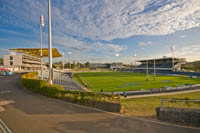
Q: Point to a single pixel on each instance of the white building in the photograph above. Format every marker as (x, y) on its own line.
(22, 62)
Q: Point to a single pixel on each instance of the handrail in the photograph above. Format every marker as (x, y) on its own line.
(162, 100)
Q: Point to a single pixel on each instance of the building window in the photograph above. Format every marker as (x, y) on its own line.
(11, 63)
(11, 57)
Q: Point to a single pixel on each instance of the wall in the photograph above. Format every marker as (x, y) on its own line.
(6, 60)
(178, 115)
(17, 60)
(106, 106)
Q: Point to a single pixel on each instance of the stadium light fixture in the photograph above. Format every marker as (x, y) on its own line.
(41, 26)
(69, 53)
(117, 55)
(50, 80)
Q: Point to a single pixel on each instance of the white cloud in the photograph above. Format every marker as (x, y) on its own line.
(73, 21)
(78, 45)
(190, 52)
(143, 44)
(182, 36)
(10, 32)
(106, 19)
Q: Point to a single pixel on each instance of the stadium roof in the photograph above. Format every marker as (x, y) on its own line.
(163, 59)
(36, 52)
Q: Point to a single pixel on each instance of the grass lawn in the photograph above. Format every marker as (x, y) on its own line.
(127, 81)
(145, 107)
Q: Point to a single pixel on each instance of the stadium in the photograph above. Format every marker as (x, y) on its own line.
(151, 74)
(124, 66)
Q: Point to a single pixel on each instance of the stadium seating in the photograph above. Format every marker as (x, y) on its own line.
(63, 79)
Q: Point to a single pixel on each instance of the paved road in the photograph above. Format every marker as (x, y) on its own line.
(32, 113)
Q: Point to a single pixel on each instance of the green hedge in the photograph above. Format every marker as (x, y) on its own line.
(30, 81)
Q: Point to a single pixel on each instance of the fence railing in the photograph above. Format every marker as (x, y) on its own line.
(180, 103)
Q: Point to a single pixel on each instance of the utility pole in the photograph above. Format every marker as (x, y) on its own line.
(63, 61)
(41, 54)
(50, 80)
(69, 53)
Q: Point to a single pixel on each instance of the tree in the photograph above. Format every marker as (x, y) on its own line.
(87, 64)
(73, 65)
(58, 65)
(81, 65)
(67, 65)
(1, 60)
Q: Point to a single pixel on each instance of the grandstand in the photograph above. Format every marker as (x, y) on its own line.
(161, 64)
(27, 59)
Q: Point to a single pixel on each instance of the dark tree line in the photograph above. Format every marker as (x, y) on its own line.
(73, 65)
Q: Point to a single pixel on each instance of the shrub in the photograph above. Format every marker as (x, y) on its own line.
(30, 81)
(40, 86)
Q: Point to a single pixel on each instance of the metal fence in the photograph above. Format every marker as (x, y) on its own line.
(63, 79)
(180, 103)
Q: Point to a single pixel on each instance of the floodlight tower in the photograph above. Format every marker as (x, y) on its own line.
(69, 53)
(116, 55)
(50, 80)
(172, 49)
(134, 57)
(41, 54)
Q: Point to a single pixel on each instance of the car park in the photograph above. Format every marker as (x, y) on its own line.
(5, 72)
(2, 73)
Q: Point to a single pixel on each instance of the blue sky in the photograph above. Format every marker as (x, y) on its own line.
(95, 30)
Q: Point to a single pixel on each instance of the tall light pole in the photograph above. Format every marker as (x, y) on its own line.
(69, 53)
(63, 61)
(147, 71)
(134, 56)
(41, 54)
(50, 80)
(172, 49)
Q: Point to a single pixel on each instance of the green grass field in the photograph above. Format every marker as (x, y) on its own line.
(126, 81)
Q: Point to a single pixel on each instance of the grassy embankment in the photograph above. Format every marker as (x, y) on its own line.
(145, 107)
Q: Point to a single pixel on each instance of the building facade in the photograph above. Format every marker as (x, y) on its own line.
(165, 63)
(22, 62)
(107, 65)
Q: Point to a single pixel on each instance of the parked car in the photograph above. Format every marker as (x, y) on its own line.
(6, 73)
(2, 73)
(9, 73)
